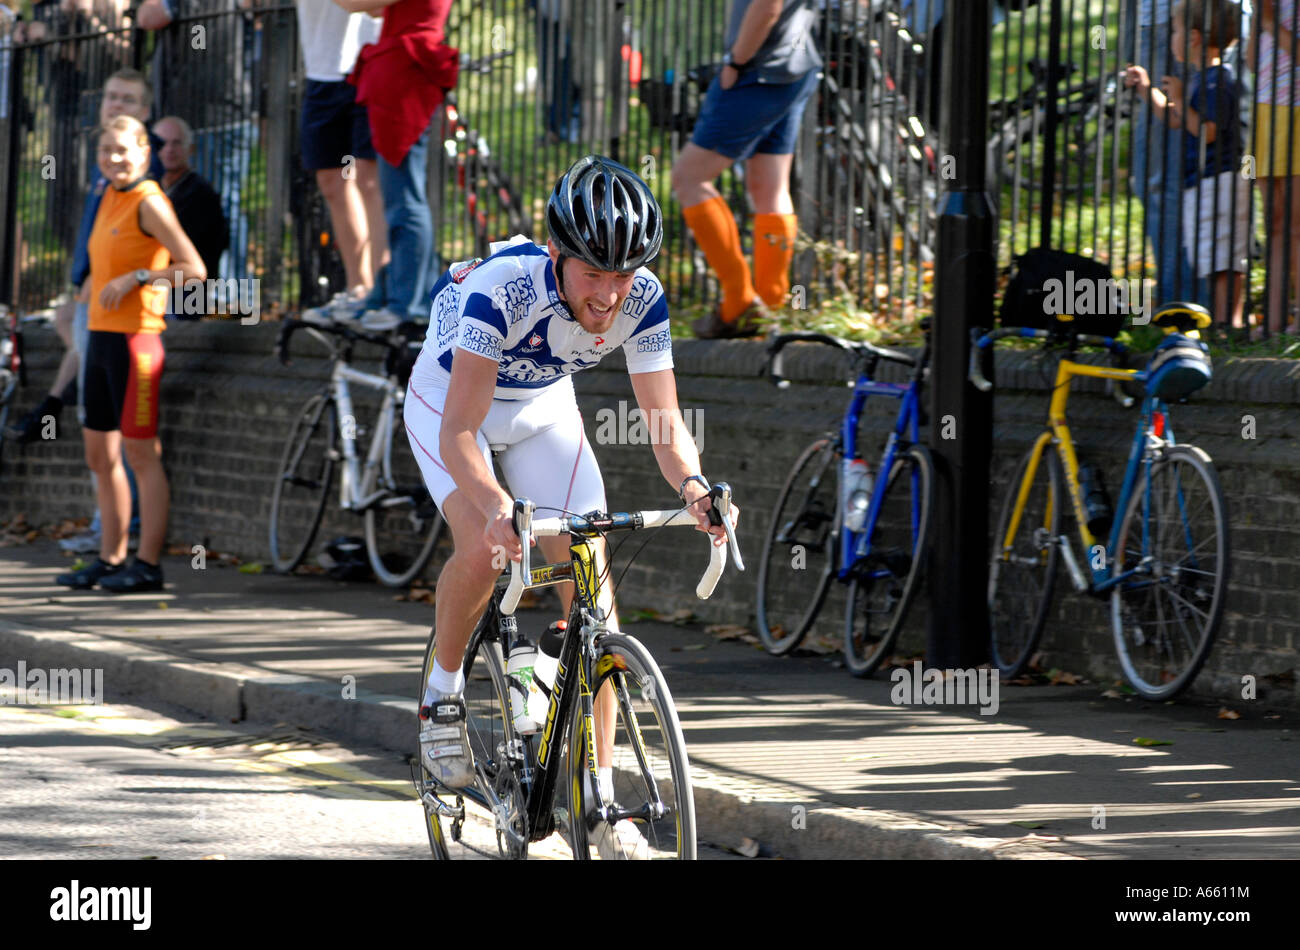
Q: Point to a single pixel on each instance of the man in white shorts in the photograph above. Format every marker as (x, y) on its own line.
(505, 334)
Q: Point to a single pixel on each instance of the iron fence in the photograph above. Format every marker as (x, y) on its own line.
(1075, 158)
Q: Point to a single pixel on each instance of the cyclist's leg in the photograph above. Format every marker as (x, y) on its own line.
(550, 460)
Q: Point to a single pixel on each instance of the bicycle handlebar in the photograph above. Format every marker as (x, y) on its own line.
(527, 528)
(775, 360)
(982, 341)
(326, 325)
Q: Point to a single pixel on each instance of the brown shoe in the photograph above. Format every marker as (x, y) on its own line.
(749, 323)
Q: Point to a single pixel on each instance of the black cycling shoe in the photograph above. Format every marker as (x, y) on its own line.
(138, 577)
(88, 577)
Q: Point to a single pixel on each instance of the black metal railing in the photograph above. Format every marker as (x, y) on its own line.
(544, 81)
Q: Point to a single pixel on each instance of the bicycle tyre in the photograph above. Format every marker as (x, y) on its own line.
(862, 654)
(621, 658)
(398, 566)
(817, 512)
(8, 386)
(318, 418)
(1152, 676)
(1017, 616)
(490, 728)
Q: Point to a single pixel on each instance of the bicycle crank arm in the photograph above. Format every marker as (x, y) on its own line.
(1076, 573)
(499, 810)
(442, 808)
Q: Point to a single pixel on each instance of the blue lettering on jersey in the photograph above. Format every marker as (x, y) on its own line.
(655, 342)
(515, 297)
(448, 307)
(480, 342)
(636, 303)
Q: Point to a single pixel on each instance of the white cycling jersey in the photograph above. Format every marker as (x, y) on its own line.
(506, 307)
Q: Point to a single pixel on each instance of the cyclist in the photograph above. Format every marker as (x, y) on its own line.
(505, 336)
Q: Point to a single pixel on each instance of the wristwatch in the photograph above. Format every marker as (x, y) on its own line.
(730, 60)
(141, 276)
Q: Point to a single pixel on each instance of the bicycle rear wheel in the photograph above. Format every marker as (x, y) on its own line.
(1165, 618)
(885, 582)
(1022, 571)
(8, 385)
(402, 529)
(799, 555)
(491, 737)
(652, 777)
(303, 485)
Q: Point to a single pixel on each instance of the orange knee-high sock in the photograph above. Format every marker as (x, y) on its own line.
(774, 236)
(716, 233)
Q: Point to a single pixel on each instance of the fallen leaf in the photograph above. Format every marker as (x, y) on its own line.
(1149, 742)
(748, 847)
(1061, 676)
(213, 857)
(1226, 713)
(162, 605)
(1111, 694)
(1029, 824)
(681, 616)
(695, 646)
(727, 631)
(253, 567)
(1193, 794)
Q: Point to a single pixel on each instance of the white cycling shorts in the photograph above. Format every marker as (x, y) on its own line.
(539, 443)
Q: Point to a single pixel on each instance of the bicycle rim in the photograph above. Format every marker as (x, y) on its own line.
(487, 722)
(651, 772)
(1165, 618)
(1023, 578)
(401, 538)
(800, 552)
(885, 584)
(302, 487)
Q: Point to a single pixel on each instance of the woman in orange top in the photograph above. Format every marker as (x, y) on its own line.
(136, 234)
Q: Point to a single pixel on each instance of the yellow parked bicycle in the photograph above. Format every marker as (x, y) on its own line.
(1163, 560)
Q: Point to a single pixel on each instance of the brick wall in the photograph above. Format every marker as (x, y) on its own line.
(228, 405)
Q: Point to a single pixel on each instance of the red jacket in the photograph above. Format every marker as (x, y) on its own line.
(401, 79)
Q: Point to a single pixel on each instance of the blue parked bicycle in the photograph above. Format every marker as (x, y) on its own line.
(836, 518)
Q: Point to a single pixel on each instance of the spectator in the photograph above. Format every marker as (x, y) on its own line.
(197, 206)
(126, 93)
(1215, 199)
(401, 80)
(1277, 150)
(752, 112)
(136, 245)
(211, 83)
(335, 136)
(562, 106)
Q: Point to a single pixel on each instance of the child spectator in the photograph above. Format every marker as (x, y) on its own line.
(1216, 198)
(1277, 147)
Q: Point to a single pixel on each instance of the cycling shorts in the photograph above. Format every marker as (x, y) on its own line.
(539, 443)
(121, 376)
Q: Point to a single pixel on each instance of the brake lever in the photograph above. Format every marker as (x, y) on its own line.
(521, 570)
(720, 505)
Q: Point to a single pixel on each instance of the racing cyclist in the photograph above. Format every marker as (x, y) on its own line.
(505, 336)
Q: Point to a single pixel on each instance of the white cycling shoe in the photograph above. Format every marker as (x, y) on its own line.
(444, 742)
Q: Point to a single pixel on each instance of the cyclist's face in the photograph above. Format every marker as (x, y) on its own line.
(594, 296)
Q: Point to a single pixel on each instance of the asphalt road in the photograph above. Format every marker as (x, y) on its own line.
(121, 781)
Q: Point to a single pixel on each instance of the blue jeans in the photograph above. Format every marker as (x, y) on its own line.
(1157, 179)
(412, 265)
(554, 61)
(222, 156)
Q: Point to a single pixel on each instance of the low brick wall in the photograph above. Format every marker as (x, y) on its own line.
(228, 405)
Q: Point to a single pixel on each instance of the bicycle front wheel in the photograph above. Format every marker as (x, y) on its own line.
(1022, 570)
(885, 582)
(652, 777)
(491, 740)
(799, 554)
(403, 528)
(1175, 534)
(303, 484)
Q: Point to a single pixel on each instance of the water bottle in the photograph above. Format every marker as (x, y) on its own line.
(1095, 499)
(520, 674)
(544, 669)
(855, 485)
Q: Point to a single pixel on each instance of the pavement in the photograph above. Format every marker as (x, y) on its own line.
(791, 753)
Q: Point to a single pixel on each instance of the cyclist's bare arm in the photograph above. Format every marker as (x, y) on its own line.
(469, 396)
(656, 395)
